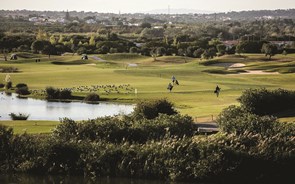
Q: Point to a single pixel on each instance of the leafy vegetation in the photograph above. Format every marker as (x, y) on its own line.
(267, 102)
(150, 109)
(19, 116)
(111, 147)
(55, 93)
(92, 97)
(22, 89)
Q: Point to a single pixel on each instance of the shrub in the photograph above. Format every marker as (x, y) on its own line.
(22, 91)
(151, 109)
(267, 102)
(238, 120)
(5, 138)
(65, 94)
(92, 97)
(20, 85)
(115, 129)
(2, 85)
(52, 93)
(19, 116)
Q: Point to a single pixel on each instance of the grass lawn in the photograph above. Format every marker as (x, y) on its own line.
(31, 127)
(194, 96)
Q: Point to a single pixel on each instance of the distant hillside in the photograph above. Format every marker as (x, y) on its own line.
(179, 11)
(161, 15)
(258, 14)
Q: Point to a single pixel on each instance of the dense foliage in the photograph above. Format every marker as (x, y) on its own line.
(22, 89)
(267, 102)
(249, 148)
(150, 109)
(19, 116)
(147, 36)
(55, 93)
(115, 129)
(92, 97)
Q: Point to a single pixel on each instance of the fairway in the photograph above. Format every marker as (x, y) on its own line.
(194, 96)
(31, 127)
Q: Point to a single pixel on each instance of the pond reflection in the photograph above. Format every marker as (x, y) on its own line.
(45, 110)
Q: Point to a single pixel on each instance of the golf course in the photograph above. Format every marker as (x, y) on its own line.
(139, 77)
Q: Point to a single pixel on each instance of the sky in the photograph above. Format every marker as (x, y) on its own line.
(133, 6)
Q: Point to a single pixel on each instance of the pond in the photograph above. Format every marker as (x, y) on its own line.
(45, 110)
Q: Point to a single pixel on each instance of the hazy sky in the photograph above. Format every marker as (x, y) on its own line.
(126, 6)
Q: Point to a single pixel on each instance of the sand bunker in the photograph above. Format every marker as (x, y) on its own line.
(132, 65)
(92, 64)
(98, 59)
(258, 72)
(229, 65)
(237, 65)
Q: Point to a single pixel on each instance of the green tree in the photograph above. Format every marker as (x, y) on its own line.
(42, 35)
(92, 40)
(52, 40)
(160, 51)
(198, 53)
(61, 39)
(42, 46)
(221, 49)
(133, 50)
(269, 50)
(205, 55)
(67, 15)
(145, 25)
(214, 42)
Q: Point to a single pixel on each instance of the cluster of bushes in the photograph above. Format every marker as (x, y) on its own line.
(152, 108)
(19, 116)
(267, 102)
(55, 93)
(249, 148)
(92, 97)
(118, 129)
(22, 89)
(4, 69)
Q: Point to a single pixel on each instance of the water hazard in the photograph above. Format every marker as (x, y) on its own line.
(45, 110)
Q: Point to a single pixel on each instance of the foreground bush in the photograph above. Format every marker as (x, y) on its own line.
(251, 158)
(249, 149)
(238, 120)
(115, 129)
(267, 102)
(150, 109)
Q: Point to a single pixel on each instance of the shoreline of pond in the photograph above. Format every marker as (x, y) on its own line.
(61, 107)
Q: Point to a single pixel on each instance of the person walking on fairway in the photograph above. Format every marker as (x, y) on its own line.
(173, 79)
(217, 90)
(170, 87)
